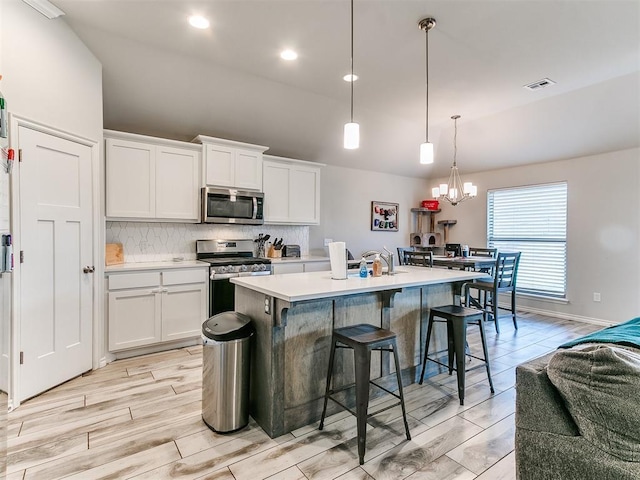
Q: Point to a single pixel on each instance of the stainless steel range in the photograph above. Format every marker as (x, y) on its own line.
(228, 258)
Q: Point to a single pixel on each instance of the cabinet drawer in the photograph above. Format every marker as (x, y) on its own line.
(178, 277)
(134, 280)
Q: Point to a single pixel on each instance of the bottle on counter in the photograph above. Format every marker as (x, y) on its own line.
(363, 268)
(377, 266)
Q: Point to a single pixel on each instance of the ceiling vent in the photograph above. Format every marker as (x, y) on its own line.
(545, 82)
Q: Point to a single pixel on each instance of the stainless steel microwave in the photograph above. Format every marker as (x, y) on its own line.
(226, 205)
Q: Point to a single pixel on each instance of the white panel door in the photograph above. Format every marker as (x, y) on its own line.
(130, 179)
(177, 183)
(56, 296)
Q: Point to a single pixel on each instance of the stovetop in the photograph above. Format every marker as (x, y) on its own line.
(230, 256)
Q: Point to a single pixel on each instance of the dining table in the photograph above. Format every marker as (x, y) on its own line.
(464, 263)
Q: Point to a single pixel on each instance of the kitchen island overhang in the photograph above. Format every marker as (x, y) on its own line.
(295, 315)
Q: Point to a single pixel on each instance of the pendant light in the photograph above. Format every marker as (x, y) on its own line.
(454, 191)
(351, 129)
(426, 149)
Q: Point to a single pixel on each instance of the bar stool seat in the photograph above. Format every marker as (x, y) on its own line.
(362, 339)
(457, 318)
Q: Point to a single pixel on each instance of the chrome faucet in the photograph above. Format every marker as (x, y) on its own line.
(388, 258)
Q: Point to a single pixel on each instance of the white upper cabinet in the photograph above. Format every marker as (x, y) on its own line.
(231, 164)
(151, 178)
(291, 191)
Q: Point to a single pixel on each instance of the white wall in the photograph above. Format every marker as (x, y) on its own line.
(345, 213)
(49, 75)
(603, 229)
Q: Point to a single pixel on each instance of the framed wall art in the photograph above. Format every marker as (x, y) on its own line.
(384, 217)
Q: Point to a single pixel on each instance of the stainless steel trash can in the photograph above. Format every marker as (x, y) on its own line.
(226, 341)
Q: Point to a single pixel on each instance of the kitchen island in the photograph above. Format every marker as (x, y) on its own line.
(295, 314)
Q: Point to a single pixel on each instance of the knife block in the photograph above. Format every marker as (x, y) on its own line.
(273, 253)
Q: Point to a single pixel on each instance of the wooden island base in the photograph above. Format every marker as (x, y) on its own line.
(293, 340)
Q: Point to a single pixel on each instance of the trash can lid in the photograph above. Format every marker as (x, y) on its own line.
(227, 326)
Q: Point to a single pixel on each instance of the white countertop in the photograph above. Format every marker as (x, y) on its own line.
(296, 287)
(132, 267)
(302, 259)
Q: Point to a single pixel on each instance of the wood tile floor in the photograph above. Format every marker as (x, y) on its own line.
(140, 418)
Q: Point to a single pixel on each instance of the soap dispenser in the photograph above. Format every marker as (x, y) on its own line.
(363, 268)
(377, 266)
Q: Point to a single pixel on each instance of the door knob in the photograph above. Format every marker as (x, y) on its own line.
(89, 269)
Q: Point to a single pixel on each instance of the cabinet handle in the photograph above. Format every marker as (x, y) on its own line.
(89, 269)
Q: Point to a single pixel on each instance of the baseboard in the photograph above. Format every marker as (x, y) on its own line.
(567, 316)
(134, 352)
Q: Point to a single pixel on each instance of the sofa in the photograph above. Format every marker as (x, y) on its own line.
(578, 409)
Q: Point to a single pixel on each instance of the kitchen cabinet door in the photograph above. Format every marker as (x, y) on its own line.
(291, 191)
(177, 183)
(276, 187)
(248, 169)
(305, 195)
(131, 186)
(184, 309)
(134, 318)
(220, 165)
(317, 266)
(284, 268)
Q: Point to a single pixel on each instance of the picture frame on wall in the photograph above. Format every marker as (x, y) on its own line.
(384, 216)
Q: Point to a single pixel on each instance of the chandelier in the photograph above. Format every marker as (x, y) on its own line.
(454, 191)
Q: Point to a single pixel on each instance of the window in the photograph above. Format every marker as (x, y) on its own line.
(532, 220)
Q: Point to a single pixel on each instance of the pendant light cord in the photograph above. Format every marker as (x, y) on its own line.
(351, 61)
(455, 142)
(427, 83)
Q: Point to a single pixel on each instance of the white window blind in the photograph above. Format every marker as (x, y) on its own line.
(532, 220)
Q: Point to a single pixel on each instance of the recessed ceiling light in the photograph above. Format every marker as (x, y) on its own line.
(198, 21)
(288, 55)
(349, 78)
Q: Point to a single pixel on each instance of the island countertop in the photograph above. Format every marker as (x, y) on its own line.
(297, 287)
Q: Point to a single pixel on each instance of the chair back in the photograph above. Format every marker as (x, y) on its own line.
(506, 271)
(402, 251)
(419, 258)
(483, 252)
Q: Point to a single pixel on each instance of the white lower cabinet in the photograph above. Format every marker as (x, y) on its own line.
(299, 267)
(145, 308)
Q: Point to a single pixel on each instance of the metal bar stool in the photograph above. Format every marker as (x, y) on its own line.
(457, 319)
(363, 338)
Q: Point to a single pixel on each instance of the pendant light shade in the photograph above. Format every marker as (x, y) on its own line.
(426, 149)
(351, 136)
(426, 153)
(351, 129)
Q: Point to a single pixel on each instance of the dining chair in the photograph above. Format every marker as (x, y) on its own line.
(402, 251)
(504, 281)
(419, 258)
(483, 252)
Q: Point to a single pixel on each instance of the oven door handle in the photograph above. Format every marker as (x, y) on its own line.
(222, 276)
(254, 274)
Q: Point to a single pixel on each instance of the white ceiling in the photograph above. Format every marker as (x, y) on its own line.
(162, 77)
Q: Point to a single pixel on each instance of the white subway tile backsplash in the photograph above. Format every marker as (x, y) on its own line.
(157, 241)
